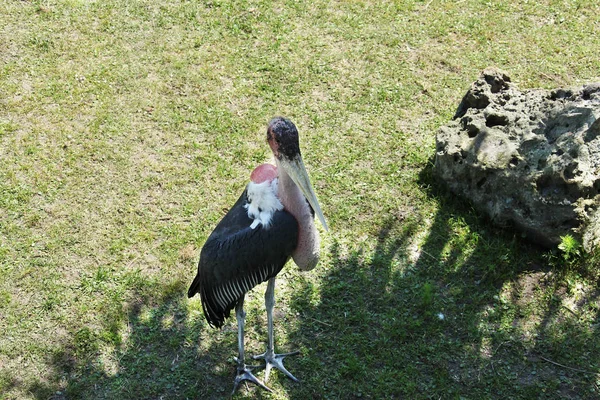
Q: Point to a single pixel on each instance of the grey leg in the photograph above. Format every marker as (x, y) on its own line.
(272, 359)
(243, 371)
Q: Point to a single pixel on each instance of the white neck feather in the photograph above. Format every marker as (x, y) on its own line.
(262, 202)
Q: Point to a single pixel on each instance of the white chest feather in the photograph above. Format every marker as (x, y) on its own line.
(262, 202)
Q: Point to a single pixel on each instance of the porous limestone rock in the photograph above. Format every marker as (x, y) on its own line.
(528, 159)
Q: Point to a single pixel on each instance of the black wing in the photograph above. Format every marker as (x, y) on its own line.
(235, 258)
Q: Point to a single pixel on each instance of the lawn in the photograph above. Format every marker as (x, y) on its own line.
(127, 129)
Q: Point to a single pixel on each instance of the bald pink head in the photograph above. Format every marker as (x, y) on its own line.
(263, 173)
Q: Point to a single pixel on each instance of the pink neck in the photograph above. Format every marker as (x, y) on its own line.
(306, 254)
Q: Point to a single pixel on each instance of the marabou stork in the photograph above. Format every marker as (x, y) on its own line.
(272, 221)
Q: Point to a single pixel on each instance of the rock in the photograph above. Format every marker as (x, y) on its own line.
(528, 159)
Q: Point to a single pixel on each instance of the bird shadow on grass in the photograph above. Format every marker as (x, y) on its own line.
(464, 311)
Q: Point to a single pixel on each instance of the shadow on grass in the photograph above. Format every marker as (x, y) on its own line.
(157, 358)
(469, 313)
(464, 312)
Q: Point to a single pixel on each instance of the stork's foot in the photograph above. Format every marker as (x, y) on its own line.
(276, 361)
(245, 374)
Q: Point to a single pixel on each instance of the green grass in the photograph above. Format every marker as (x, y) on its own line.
(128, 128)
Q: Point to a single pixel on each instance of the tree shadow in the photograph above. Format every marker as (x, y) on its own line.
(166, 351)
(160, 356)
(468, 311)
(442, 307)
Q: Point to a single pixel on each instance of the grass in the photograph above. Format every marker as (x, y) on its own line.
(128, 128)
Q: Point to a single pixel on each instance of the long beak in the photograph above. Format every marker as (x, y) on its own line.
(296, 170)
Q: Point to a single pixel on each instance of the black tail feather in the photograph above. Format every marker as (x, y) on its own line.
(194, 287)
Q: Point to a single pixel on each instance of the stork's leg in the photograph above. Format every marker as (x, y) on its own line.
(243, 371)
(272, 359)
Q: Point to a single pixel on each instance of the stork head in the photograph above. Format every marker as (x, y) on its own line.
(282, 137)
